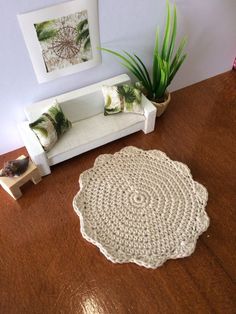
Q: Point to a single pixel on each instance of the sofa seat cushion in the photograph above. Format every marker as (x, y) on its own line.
(96, 128)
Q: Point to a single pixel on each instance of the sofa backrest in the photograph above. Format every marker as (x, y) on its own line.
(78, 104)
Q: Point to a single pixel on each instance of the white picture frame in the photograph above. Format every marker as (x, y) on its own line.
(63, 53)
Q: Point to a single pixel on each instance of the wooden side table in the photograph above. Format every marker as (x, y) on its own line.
(12, 185)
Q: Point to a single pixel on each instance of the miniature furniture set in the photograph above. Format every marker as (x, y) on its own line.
(90, 128)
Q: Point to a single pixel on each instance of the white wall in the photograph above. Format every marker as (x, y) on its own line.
(125, 24)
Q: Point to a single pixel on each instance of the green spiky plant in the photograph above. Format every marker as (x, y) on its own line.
(165, 63)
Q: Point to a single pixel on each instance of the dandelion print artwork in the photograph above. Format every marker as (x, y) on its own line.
(64, 41)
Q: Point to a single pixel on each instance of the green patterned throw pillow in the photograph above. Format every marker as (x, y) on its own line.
(122, 98)
(50, 126)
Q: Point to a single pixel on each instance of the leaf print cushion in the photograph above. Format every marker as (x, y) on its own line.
(50, 126)
(112, 100)
(122, 98)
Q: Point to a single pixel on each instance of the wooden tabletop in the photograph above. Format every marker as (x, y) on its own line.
(47, 267)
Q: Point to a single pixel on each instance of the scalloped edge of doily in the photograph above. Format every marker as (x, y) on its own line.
(102, 249)
(102, 159)
(187, 247)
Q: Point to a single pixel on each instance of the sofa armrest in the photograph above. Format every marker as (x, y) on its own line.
(150, 115)
(35, 150)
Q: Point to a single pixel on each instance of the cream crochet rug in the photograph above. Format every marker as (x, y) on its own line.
(142, 207)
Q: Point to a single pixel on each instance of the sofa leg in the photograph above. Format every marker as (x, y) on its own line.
(149, 125)
(41, 162)
(44, 170)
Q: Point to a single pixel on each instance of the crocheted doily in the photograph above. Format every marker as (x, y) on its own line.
(142, 207)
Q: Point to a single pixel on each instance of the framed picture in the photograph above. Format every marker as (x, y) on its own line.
(62, 39)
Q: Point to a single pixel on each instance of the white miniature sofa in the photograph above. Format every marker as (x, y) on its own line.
(90, 128)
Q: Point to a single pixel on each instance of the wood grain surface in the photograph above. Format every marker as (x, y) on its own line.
(47, 267)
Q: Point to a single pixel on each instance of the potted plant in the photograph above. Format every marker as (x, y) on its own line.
(166, 63)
